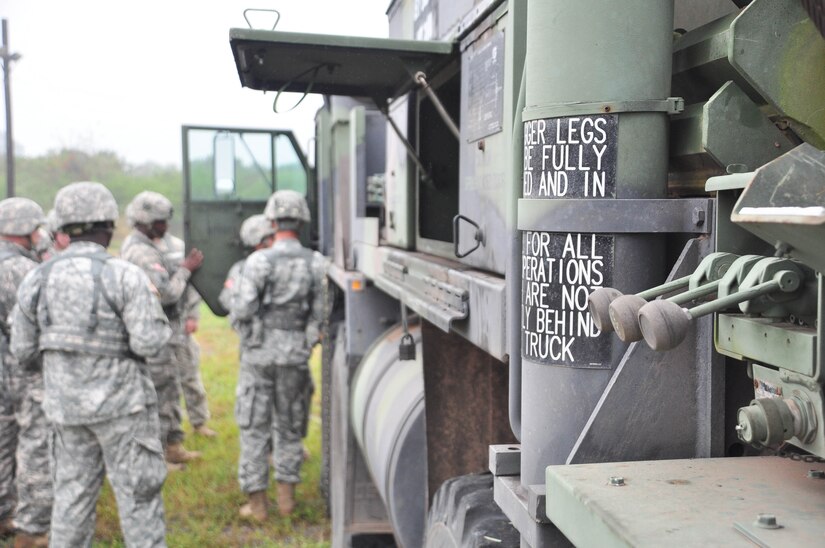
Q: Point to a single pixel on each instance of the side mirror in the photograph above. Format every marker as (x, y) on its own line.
(223, 151)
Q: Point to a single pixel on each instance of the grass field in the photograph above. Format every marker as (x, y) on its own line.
(202, 501)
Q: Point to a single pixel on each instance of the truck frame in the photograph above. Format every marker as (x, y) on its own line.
(576, 256)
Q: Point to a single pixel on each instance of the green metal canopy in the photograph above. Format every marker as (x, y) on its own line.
(379, 68)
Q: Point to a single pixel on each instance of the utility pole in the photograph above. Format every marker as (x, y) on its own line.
(8, 58)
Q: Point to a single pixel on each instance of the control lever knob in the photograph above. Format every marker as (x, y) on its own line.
(664, 324)
(624, 315)
(599, 304)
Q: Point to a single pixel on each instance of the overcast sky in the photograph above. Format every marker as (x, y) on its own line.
(124, 76)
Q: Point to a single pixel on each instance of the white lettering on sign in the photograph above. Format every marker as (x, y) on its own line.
(570, 157)
(558, 273)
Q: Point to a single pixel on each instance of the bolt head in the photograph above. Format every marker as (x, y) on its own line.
(698, 216)
(617, 481)
(816, 474)
(766, 521)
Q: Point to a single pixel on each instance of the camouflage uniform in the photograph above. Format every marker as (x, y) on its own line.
(92, 317)
(278, 309)
(171, 284)
(27, 430)
(186, 350)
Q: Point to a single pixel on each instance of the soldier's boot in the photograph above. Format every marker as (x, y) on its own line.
(286, 498)
(6, 527)
(205, 431)
(25, 540)
(177, 454)
(257, 509)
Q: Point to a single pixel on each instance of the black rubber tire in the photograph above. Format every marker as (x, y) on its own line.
(464, 514)
(816, 9)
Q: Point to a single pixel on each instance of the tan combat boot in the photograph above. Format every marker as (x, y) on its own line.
(286, 498)
(177, 454)
(6, 528)
(205, 431)
(25, 540)
(257, 507)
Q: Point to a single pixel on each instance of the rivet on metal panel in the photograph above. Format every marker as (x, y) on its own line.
(617, 481)
(766, 521)
(816, 474)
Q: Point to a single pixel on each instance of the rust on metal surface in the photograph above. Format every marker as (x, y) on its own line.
(468, 387)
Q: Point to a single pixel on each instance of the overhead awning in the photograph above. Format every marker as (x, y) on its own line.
(378, 68)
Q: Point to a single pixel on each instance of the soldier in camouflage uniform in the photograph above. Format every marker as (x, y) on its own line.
(278, 308)
(186, 348)
(24, 431)
(93, 318)
(256, 233)
(57, 241)
(149, 214)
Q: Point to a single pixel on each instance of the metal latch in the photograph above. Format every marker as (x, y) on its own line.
(478, 236)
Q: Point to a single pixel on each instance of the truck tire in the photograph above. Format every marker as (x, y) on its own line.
(464, 514)
(816, 9)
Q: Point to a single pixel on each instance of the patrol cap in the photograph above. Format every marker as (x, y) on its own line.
(287, 204)
(254, 229)
(148, 207)
(84, 203)
(20, 216)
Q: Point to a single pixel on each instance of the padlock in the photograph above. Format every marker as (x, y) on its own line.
(406, 349)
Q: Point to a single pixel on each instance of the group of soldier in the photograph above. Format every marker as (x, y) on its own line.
(94, 349)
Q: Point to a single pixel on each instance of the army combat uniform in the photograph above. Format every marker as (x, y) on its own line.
(278, 309)
(24, 435)
(186, 351)
(143, 252)
(92, 318)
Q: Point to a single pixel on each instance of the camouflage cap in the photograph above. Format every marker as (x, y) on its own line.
(84, 202)
(255, 229)
(287, 204)
(148, 207)
(20, 216)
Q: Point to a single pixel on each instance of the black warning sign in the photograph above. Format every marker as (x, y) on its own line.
(558, 272)
(571, 157)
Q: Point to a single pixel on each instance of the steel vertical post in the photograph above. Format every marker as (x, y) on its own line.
(595, 127)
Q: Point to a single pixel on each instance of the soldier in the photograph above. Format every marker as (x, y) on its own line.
(187, 351)
(279, 307)
(24, 430)
(93, 319)
(149, 214)
(256, 233)
(56, 242)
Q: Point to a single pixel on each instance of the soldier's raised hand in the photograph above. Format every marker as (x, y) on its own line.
(193, 260)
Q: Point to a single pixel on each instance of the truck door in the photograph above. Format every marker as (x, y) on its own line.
(229, 173)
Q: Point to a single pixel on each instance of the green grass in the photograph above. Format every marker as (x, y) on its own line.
(202, 501)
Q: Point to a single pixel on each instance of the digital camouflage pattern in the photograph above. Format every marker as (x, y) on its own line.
(93, 335)
(277, 308)
(84, 202)
(20, 217)
(230, 285)
(171, 284)
(287, 204)
(272, 410)
(131, 452)
(25, 434)
(148, 207)
(254, 229)
(15, 263)
(186, 349)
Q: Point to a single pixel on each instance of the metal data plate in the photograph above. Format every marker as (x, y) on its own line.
(696, 502)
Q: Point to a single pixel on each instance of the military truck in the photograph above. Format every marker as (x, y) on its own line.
(577, 254)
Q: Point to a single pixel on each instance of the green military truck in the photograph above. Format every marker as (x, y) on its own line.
(577, 252)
